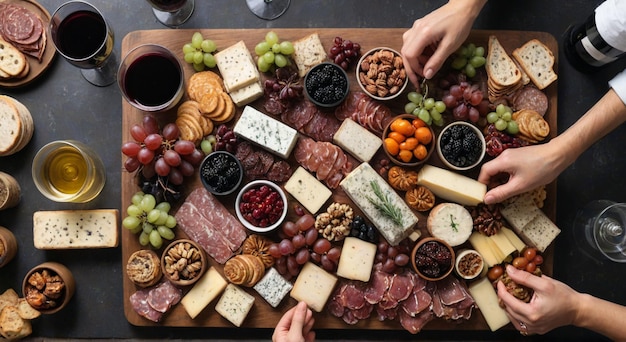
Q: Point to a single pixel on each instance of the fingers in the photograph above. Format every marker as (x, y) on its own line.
(299, 316)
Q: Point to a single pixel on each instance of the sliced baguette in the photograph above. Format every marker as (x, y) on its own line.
(12, 61)
(11, 126)
(501, 69)
(537, 61)
(308, 52)
(75, 229)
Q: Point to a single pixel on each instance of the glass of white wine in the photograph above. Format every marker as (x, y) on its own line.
(600, 230)
(268, 9)
(68, 171)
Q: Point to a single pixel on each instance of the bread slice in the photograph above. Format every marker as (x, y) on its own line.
(308, 52)
(537, 61)
(501, 69)
(10, 126)
(12, 60)
(74, 229)
(12, 326)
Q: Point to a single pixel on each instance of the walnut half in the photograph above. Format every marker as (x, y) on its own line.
(420, 198)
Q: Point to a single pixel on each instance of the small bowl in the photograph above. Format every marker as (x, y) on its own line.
(469, 264)
(444, 137)
(173, 253)
(430, 147)
(364, 62)
(221, 173)
(8, 246)
(277, 219)
(420, 249)
(66, 293)
(337, 83)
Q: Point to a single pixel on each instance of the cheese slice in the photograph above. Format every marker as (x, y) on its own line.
(247, 94)
(235, 304)
(540, 232)
(513, 239)
(487, 301)
(357, 140)
(519, 212)
(503, 243)
(236, 66)
(480, 244)
(75, 229)
(357, 259)
(309, 191)
(266, 132)
(452, 186)
(203, 292)
(273, 287)
(313, 286)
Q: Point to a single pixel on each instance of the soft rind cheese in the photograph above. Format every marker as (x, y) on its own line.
(273, 287)
(357, 140)
(452, 186)
(450, 222)
(234, 304)
(203, 292)
(236, 66)
(487, 301)
(307, 190)
(247, 94)
(357, 259)
(267, 132)
(74, 229)
(357, 186)
(313, 286)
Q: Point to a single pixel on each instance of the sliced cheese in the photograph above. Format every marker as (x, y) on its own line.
(235, 304)
(203, 292)
(487, 301)
(236, 66)
(452, 186)
(358, 186)
(357, 259)
(513, 239)
(309, 191)
(273, 287)
(503, 243)
(357, 140)
(479, 243)
(500, 256)
(266, 132)
(74, 229)
(247, 94)
(540, 232)
(313, 286)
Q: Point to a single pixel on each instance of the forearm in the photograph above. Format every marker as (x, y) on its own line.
(473, 7)
(601, 316)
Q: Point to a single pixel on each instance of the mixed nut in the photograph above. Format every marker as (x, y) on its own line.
(183, 261)
(382, 73)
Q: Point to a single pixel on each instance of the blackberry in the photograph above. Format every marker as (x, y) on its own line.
(363, 231)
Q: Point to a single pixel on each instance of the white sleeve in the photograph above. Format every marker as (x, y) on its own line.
(618, 83)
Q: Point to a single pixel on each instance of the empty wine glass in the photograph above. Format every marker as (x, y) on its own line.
(83, 37)
(172, 13)
(268, 9)
(599, 230)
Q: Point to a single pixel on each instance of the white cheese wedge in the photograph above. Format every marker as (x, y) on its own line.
(357, 140)
(273, 287)
(450, 222)
(480, 243)
(267, 132)
(203, 292)
(309, 191)
(313, 286)
(487, 301)
(75, 229)
(452, 186)
(358, 186)
(513, 239)
(357, 259)
(235, 304)
(247, 94)
(236, 66)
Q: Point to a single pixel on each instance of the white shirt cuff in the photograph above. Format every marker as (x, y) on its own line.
(618, 83)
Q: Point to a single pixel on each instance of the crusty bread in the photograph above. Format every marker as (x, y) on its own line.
(12, 325)
(537, 61)
(73, 229)
(308, 52)
(144, 268)
(10, 126)
(500, 67)
(12, 61)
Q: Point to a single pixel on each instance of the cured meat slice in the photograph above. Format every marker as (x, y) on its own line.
(532, 98)
(335, 308)
(385, 314)
(417, 323)
(139, 303)
(450, 291)
(353, 295)
(279, 172)
(417, 302)
(311, 154)
(348, 317)
(165, 295)
(260, 164)
(401, 287)
(377, 288)
(364, 312)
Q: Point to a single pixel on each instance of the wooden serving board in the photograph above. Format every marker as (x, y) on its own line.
(263, 315)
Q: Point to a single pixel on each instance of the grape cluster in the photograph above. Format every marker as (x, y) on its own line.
(497, 141)
(160, 153)
(344, 52)
(502, 119)
(286, 86)
(425, 108)
(301, 243)
(149, 219)
(393, 258)
(225, 139)
(468, 58)
(199, 52)
(467, 102)
(273, 53)
(161, 190)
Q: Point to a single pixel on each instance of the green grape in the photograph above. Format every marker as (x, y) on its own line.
(512, 127)
(189, 57)
(492, 117)
(164, 206)
(440, 106)
(458, 63)
(508, 109)
(286, 48)
(263, 66)
(276, 48)
(208, 45)
(162, 218)
(435, 114)
(144, 239)
(500, 125)
(187, 48)
(479, 52)
(148, 202)
(429, 103)
(262, 48)
(500, 109)
(410, 107)
(209, 60)
(212, 139)
(271, 38)
(133, 210)
(131, 222)
(506, 116)
(198, 57)
(464, 51)
(136, 230)
(280, 60)
(198, 66)
(268, 57)
(471, 48)
(147, 227)
(196, 40)
(137, 197)
(166, 232)
(206, 146)
(415, 97)
(155, 239)
(438, 123)
(416, 111)
(470, 71)
(153, 215)
(424, 115)
(170, 222)
(477, 61)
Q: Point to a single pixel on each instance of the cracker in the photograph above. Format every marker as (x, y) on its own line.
(208, 101)
(201, 82)
(229, 110)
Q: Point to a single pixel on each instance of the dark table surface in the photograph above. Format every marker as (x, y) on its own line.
(65, 106)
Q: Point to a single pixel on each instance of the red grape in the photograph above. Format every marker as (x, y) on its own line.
(292, 265)
(170, 131)
(286, 247)
(311, 236)
(131, 164)
(327, 264)
(302, 256)
(153, 141)
(184, 147)
(171, 158)
(131, 148)
(195, 157)
(175, 177)
(186, 168)
(305, 222)
(138, 133)
(473, 114)
(290, 229)
(274, 251)
(298, 241)
(161, 167)
(150, 124)
(321, 246)
(145, 156)
(334, 254)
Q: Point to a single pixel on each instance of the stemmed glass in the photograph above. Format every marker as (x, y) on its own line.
(268, 9)
(172, 13)
(83, 37)
(599, 230)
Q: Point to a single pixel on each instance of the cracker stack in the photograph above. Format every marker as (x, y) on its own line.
(504, 75)
(16, 126)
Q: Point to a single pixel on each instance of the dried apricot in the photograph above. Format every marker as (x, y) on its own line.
(392, 146)
(417, 123)
(397, 136)
(402, 126)
(424, 135)
(409, 144)
(420, 152)
(405, 155)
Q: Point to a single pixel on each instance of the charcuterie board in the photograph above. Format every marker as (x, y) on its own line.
(263, 315)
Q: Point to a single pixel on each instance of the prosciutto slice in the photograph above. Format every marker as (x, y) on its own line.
(368, 112)
(328, 161)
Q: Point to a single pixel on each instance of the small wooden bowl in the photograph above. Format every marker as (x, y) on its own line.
(414, 162)
(8, 247)
(182, 280)
(66, 276)
(418, 248)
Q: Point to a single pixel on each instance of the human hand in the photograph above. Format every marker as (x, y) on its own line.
(295, 325)
(552, 305)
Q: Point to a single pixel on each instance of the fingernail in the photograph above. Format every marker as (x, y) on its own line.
(429, 73)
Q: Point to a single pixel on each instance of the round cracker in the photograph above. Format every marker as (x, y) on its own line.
(208, 102)
(229, 110)
(201, 82)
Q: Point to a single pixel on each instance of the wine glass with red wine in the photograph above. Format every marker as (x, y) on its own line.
(172, 13)
(268, 9)
(83, 37)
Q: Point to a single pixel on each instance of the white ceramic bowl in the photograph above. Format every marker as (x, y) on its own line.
(443, 135)
(473, 258)
(251, 226)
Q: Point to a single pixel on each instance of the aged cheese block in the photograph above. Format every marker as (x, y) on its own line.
(480, 243)
(313, 286)
(72, 229)
(247, 94)
(267, 132)
(309, 191)
(236, 66)
(487, 301)
(273, 287)
(235, 304)
(450, 222)
(358, 185)
(452, 186)
(203, 292)
(357, 259)
(357, 140)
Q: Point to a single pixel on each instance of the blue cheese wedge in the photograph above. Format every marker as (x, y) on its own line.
(267, 132)
(357, 259)
(357, 140)
(358, 186)
(236, 66)
(75, 229)
(313, 286)
(309, 191)
(235, 304)
(203, 292)
(273, 287)
(247, 94)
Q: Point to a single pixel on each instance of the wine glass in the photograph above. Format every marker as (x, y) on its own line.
(268, 9)
(599, 230)
(83, 37)
(172, 13)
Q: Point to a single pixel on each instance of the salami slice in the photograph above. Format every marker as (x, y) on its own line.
(531, 98)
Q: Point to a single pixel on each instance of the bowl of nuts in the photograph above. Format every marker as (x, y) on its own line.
(381, 74)
(183, 262)
(261, 206)
(469, 264)
(49, 287)
(326, 85)
(432, 259)
(408, 141)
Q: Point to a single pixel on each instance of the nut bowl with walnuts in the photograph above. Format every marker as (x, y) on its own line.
(183, 262)
(381, 74)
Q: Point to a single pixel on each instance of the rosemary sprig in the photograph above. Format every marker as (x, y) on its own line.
(384, 205)
(454, 225)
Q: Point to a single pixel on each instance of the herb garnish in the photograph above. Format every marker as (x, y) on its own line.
(384, 204)
(455, 226)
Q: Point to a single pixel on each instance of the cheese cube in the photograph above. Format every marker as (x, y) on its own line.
(236, 66)
(247, 94)
(487, 301)
(452, 186)
(203, 292)
(267, 132)
(357, 259)
(357, 140)
(273, 287)
(358, 186)
(540, 232)
(313, 286)
(309, 191)
(235, 304)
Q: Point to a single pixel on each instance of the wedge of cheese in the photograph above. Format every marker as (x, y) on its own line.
(236, 66)
(357, 259)
(481, 244)
(487, 301)
(266, 132)
(309, 191)
(357, 140)
(452, 186)
(75, 229)
(203, 292)
(273, 287)
(235, 304)
(313, 286)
